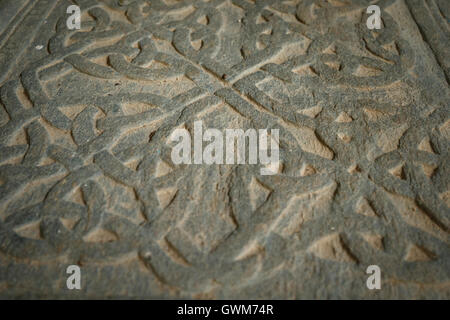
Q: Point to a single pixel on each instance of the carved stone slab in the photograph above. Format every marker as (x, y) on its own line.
(86, 176)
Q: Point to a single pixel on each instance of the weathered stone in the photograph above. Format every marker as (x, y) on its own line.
(86, 175)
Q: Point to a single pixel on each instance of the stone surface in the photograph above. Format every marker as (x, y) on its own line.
(86, 175)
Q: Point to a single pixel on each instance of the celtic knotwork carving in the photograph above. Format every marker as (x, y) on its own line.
(86, 174)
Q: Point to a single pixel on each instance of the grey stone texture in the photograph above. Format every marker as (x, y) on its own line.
(86, 175)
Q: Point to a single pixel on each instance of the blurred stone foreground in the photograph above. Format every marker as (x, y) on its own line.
(86, 176)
